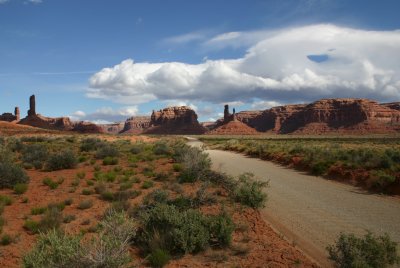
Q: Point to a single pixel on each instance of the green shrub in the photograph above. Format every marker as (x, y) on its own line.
(161, 148)
(165, 227)
(90, 144)
(159, 258)
(195, 164)
(11, 174)
(69, 218)
(5, 200)
(61, 160)
(35, 154)
(20, 188)
(32, 226)
(221, 228)
(107, 196)
(320, 168)
(5, 240)
(81, 175)
(87, 191)
(161, 176)
(38, 210)
(156, 196)
(177, 167)
(51, 219)
(137, 148)
(371, 251)
(82, 158)
(125, 186)
(147, 184)
(107, 150)
(85, 204)
(188, 231)
(250, 192)
(381, 180)
(68, 201)
(54, 249)
(107, 161)
(100, 188)
(49, 182)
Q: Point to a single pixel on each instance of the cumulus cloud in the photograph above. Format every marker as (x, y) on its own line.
(105, 115)
(277, 67)
(263, 105)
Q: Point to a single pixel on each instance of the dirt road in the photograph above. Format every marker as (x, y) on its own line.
(312, 211)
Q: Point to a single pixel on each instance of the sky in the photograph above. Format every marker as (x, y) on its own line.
(106, 60)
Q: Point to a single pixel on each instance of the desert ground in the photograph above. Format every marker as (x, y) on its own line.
(75, 182)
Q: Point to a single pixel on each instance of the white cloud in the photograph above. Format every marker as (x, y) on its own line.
(186, 38)
(3, 1)
(275, 68)
(263, 105)
(233, 103)
(105, 115)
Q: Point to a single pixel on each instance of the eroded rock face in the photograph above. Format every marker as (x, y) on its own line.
(32, 106)
(9, 117)
(58, 123)
(113, 128)
(326, 115)
(136, 124)
(175, 120)
(233, 127)
(86, 127)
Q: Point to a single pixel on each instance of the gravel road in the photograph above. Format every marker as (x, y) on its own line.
(312, 211)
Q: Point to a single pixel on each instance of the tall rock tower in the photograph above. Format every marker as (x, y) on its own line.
(16, 113)
(32, 106)
(226, 113)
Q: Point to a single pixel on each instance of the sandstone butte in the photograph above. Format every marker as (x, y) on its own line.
(175, 120)
(352, 116)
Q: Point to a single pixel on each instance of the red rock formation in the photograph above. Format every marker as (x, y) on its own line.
(59, 123)
(175, 120)
(87, 127)
(326, 115)
(392, 105)
(32, 106)
(9, 117)
(136, 124)
(16, 113)
(113, 128)
(233, 127)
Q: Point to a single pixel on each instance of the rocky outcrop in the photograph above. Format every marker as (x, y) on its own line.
(392, 105)
(175, 120)
(113, 128)
(58, 123)
(32, 106)
(86, 127)
(233, 127)
(325, 116)
(136, 124)
(9, 117)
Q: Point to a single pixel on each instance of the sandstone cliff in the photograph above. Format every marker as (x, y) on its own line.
(136, 124)
(37, 120)
(113, 128)
(175, 120)
(86, 127)
(325, 116)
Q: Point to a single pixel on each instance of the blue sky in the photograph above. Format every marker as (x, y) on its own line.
(253, 54)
